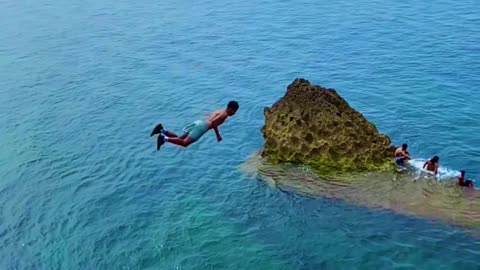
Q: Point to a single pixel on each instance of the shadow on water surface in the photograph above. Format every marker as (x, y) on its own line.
(425, 198)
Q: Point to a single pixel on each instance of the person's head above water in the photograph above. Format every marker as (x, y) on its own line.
(435, 159)
(232, 108)
(404, 146)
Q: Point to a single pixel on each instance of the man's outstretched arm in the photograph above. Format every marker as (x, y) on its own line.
(217, 133)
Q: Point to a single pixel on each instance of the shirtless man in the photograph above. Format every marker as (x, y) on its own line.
(401, 154)
(194, 131)
(432, 165)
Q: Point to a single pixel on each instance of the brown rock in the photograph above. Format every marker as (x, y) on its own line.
(315, 126)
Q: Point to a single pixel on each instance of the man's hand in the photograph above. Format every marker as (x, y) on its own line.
(219, 138)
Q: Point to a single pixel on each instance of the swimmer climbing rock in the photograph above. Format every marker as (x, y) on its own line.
(194, 131)
(401, 154)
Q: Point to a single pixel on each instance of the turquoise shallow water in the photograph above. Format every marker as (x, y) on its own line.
(83, 83)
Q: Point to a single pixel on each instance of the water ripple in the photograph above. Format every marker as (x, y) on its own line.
(82, 84)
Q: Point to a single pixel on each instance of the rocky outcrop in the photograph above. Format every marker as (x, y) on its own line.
(315, 126)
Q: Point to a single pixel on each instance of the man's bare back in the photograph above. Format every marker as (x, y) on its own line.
(217, 118)
(399, 152)
(432, 165)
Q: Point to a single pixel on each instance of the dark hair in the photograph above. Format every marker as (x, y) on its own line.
(404, 146)
(462, 172)
(435, 159)
(233, 105)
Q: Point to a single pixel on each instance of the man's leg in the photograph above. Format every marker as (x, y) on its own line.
(159, 130)
(180, 141)
(399, 161)
(169, 134)
(191, 134)
(174, 140)
(185, 141)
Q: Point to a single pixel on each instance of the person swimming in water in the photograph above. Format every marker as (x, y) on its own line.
(432, 165)
(401, 154)
(464, 183)
(194, 131)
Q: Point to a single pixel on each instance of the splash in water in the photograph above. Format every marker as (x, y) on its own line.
(444, 173)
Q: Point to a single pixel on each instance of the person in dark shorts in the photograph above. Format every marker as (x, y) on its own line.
(401, 154)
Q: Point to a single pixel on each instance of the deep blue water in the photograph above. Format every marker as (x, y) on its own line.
(83, 83)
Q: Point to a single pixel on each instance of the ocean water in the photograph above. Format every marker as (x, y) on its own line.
(83, 83)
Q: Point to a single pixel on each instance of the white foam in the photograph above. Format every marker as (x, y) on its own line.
(444, 173)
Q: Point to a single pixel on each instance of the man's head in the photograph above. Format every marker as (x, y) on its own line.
(462, 173)
(232, 108)
(404, 146)
(435, 159)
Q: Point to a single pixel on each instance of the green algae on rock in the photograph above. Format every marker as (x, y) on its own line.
(316, 127)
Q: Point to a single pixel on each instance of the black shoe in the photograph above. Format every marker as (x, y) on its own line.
(157, 130)
(160, 141)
